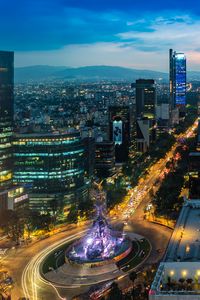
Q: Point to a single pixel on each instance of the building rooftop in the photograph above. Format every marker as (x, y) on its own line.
(185, 241)
(177, 279)
(182, 259)
(47, 134)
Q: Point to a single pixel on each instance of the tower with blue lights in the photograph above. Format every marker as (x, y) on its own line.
(177, 79)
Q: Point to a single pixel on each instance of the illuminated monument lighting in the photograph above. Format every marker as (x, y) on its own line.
(101, 243)
(98, 256)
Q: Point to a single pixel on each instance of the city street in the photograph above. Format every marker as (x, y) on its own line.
(139, 195)
(23, 263)
(20, 263)
(99, 150)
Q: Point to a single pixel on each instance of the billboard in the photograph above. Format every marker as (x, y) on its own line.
(117, 132)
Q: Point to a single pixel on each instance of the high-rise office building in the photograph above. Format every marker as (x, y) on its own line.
(145, 113)
(89, 155)
(120, 121)
(6, 118)
(51, 166)
(145, 98)
(177, 79)
(104, 158)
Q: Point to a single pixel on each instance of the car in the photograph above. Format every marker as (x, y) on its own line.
(159, 250)
(8, 280)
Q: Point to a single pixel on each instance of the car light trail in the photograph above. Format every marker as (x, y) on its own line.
(31, 274)
(32, 281)
(145, 185)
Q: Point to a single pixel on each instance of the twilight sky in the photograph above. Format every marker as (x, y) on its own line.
(130, 33)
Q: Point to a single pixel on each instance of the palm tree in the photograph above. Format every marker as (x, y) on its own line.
(189, 282)
(181, 280)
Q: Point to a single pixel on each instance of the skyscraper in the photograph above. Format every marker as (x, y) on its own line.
(145, 113)
(177, 79)
(120, 121)
(6, 118)
(51, 166)
(104, 158)
(145, 98)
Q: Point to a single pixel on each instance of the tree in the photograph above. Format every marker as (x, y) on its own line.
(132, 277)
(73, 214)
(46, 221)
(34, 220)
(189, 280)
(55, 209)
(181, 280)
(115, 293)
(136, 293)
(86, 207)
(12, 225)
(115, 196)
(24, 215)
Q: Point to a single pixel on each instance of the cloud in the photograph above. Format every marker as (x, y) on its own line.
(52, 25)
(180, 32)
(74, 33)
(114, 54)
(107, 53)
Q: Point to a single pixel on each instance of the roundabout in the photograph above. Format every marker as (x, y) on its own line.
(96, 255)
(103, 253)
(41, 272)
(59, 272)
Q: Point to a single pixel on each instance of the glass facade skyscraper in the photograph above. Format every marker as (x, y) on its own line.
(51, 166)
(6, 118)
(177, 79)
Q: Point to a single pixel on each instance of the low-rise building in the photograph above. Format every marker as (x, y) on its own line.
(13, 199)
(178, 276)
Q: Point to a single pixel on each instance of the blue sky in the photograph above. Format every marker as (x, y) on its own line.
(129, 33)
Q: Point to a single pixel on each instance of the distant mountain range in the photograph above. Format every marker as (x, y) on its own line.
(93, 73)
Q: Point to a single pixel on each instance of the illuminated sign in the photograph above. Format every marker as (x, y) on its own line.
(21, 198)
(117, 132)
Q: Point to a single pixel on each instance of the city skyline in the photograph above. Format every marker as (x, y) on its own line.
(100, 150)
(102, 33)
(62, 140)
